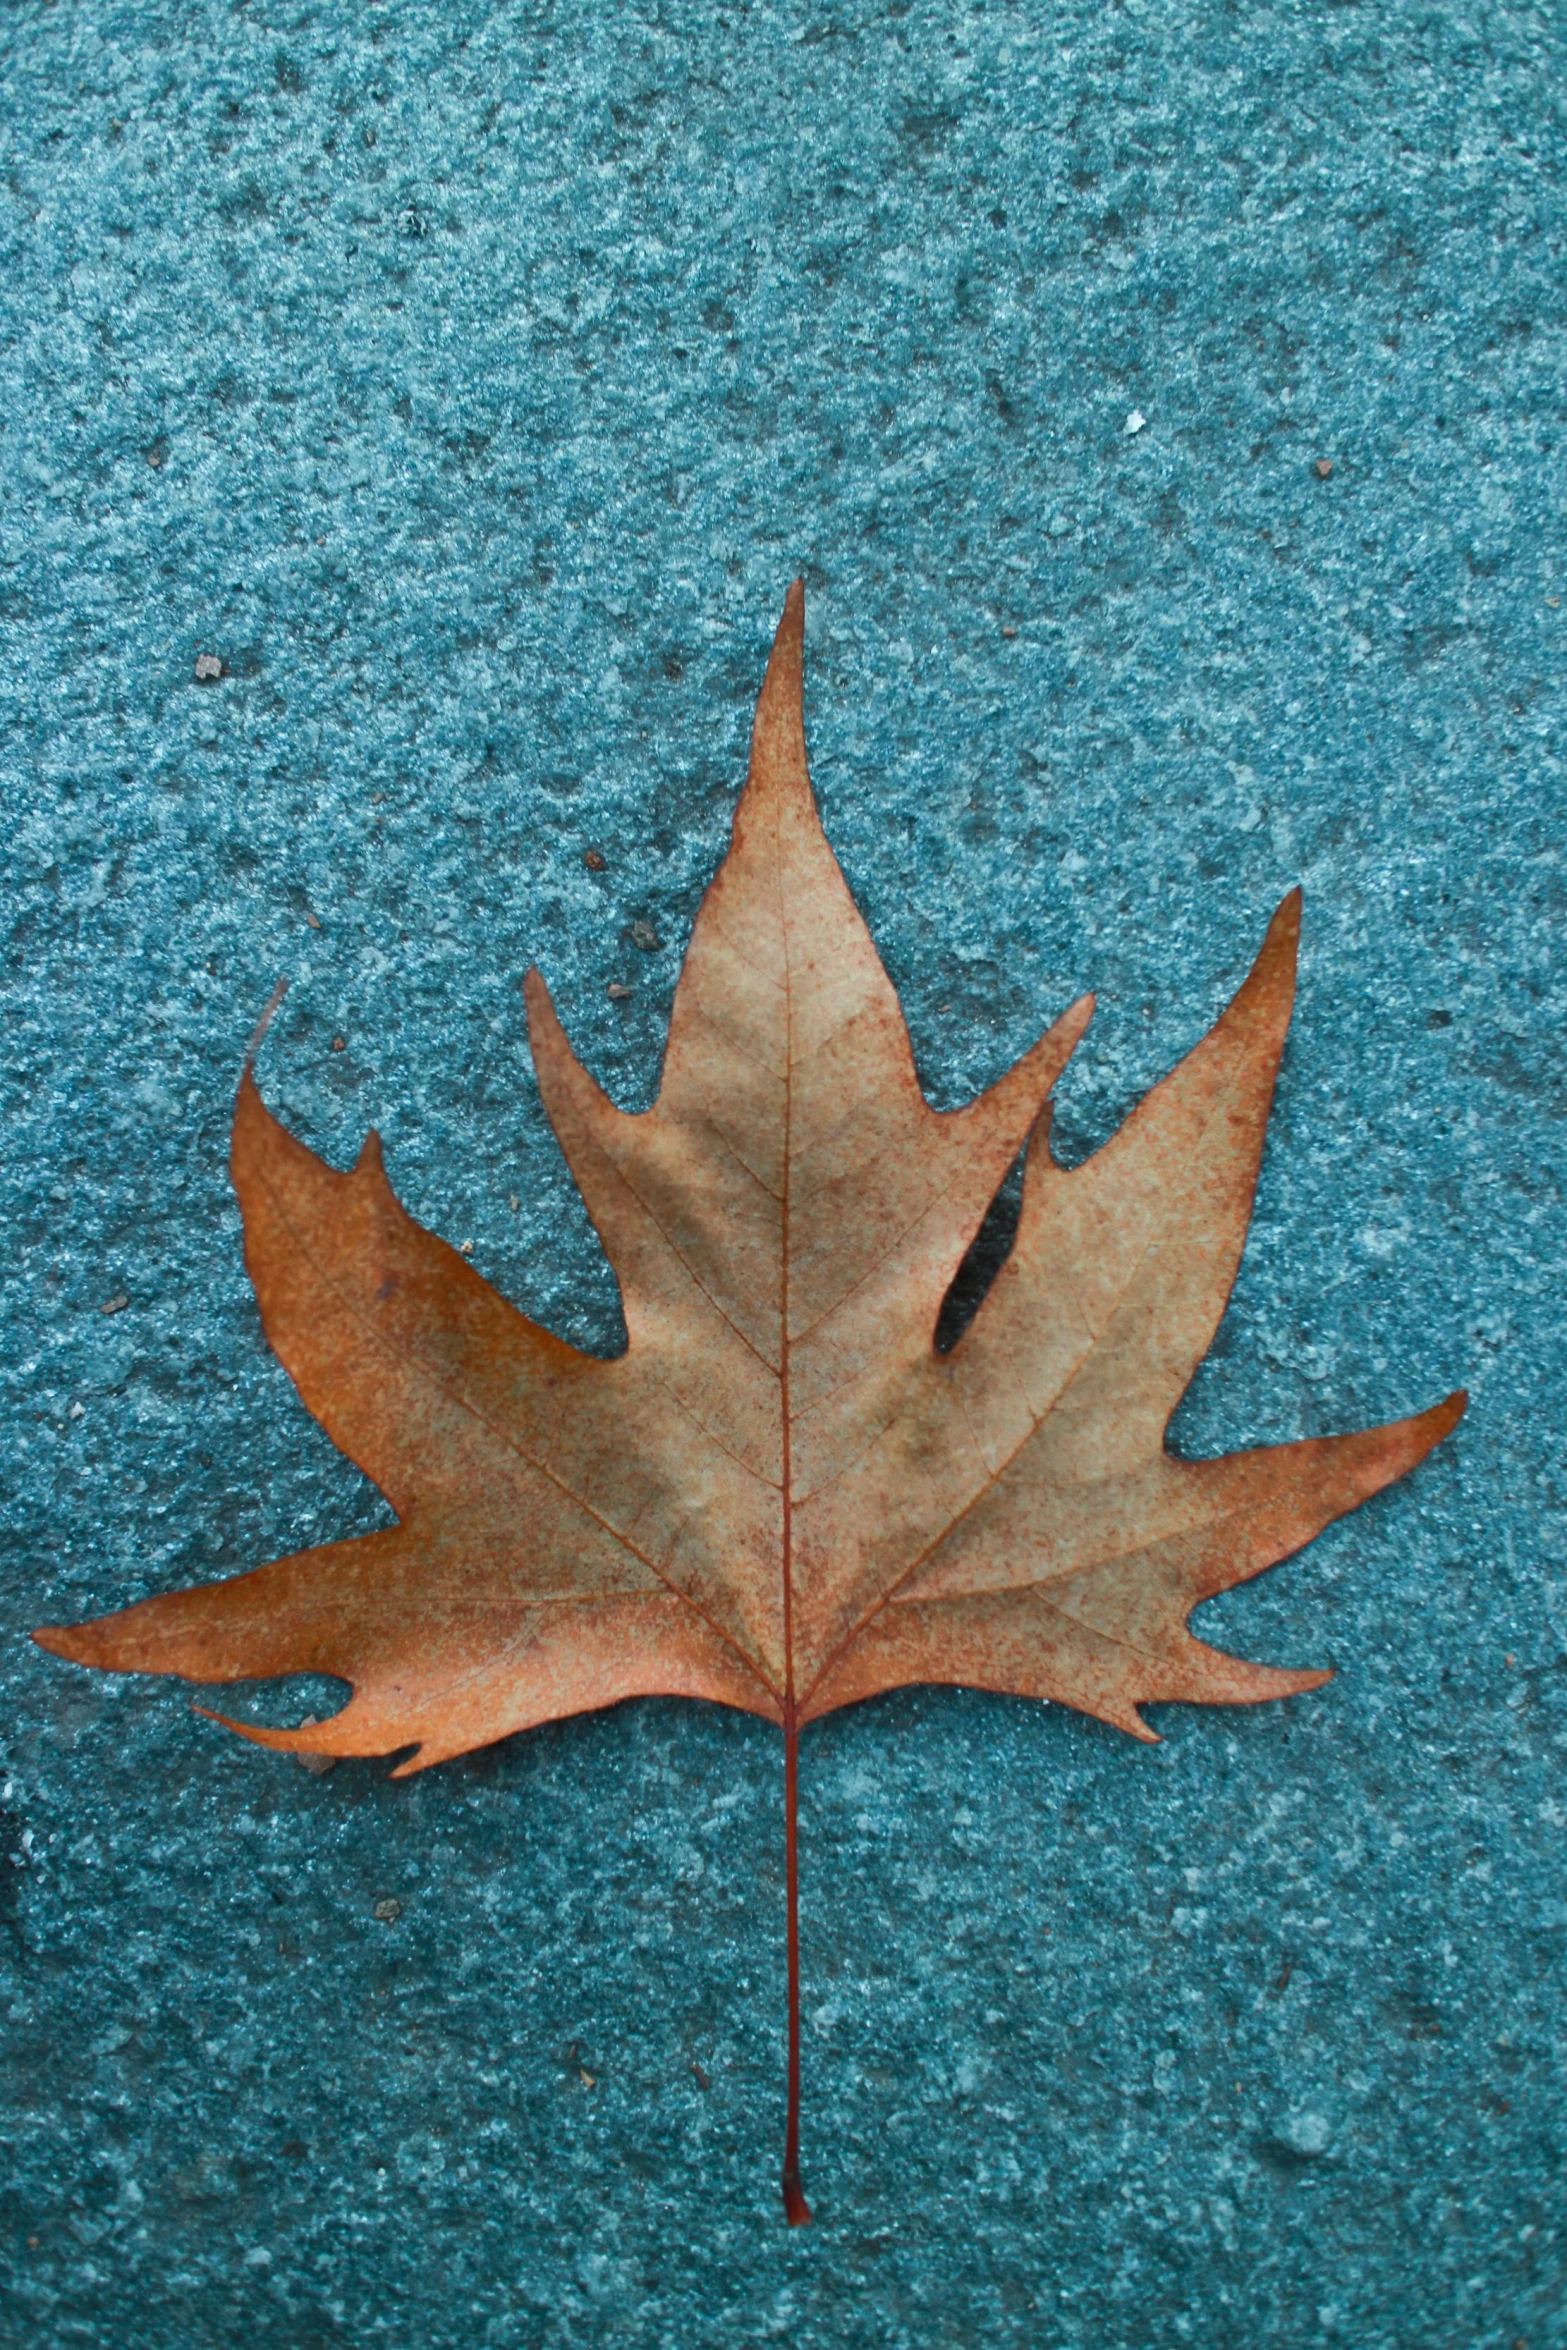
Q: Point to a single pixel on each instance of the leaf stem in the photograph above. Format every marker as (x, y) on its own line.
(795, 2205)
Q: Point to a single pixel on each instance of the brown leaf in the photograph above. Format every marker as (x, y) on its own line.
(780, 1497)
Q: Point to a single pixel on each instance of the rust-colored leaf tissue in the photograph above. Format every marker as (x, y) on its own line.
(781, 1497)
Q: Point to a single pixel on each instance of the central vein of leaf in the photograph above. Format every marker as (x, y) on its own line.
(795, 2204)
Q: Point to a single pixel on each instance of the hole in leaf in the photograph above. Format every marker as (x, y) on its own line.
(988, 1251)
(283, 1704)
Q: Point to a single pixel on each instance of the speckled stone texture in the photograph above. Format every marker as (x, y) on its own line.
(468, 382)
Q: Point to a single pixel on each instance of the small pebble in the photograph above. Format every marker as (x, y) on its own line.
(593, 861)
(1307, 2134)
(339, 1044)
(78, 1411)
(1009, 632)
(465, 1247)
(208, 668)
(314, 920)
(1324, 467)
(1136, 421)
(387, 1913)
(115, 1305)
(643, 935)
(616, 992)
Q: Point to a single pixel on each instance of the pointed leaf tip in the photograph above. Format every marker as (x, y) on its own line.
(1446, 1415)
(304, 1740)
(1283, 935)
(1073, 1022)
(63, 1640)
(1423, 1431)
(786, 662)
(779, 776)
(1271, 979)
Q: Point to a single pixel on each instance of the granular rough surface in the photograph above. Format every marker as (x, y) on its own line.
(412, 415)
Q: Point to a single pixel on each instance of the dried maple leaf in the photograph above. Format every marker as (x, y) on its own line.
(780, 1497)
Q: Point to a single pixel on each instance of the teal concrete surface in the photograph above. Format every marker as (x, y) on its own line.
(1164, 404)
